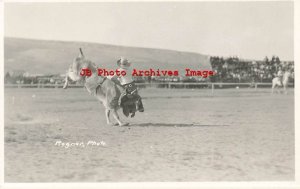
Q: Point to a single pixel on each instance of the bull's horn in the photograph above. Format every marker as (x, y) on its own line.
(81, 53)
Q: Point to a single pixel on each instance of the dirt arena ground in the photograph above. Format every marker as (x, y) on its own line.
(184, 135)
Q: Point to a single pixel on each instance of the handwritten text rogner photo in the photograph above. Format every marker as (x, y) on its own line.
(150, 72)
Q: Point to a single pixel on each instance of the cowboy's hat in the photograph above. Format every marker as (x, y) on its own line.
(123, 62)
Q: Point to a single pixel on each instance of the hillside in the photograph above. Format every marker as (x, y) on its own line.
(51, 57)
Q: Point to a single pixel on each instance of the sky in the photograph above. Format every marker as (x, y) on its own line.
(249, 30)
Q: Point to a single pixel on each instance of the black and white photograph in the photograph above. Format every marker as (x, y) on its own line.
(149, 91)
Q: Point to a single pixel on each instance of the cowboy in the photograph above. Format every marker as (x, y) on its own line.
(280, 75)
(130, 89)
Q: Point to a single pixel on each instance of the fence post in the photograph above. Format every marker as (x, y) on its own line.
(255, 86)
(212, 88)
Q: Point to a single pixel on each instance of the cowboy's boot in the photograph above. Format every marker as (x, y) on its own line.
(132, 114)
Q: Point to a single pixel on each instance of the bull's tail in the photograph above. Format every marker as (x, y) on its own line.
(66, 82)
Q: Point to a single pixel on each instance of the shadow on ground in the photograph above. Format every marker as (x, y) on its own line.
(173, 125)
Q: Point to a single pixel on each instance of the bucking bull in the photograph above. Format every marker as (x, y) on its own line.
(105, 90)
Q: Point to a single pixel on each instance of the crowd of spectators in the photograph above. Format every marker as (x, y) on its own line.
(233, 69)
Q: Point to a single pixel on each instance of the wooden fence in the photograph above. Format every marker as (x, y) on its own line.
(169, 85)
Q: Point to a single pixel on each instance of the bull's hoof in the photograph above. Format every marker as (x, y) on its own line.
(124, 124)
(112, 124)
